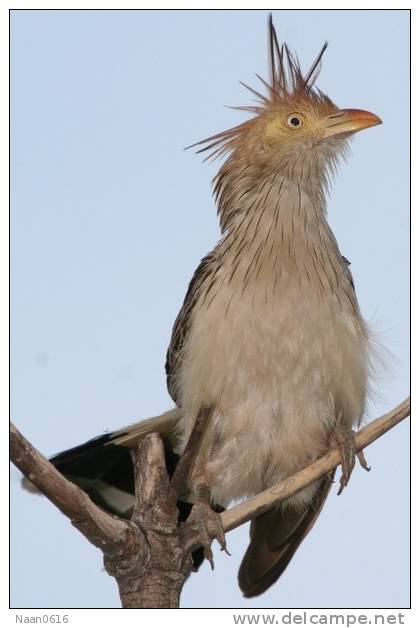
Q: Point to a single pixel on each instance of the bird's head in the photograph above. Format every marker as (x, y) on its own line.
(296, 129)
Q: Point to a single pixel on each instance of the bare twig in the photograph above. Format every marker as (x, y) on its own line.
(152, 485)
(143, 554)
(99, 527)
(147, 555)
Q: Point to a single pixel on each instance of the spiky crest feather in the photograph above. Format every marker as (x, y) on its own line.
(287, 86)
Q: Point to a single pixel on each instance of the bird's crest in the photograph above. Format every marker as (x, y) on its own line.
(285, 73)
(286, 83)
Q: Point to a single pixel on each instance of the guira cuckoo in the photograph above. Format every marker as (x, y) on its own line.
(270, 335)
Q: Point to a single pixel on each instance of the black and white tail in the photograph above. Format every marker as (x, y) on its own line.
(103, 468)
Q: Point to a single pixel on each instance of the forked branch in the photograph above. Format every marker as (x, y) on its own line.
(148, 555)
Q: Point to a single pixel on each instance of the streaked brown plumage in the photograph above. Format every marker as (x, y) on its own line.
(277, 250)
(240, 320)
(270, 334)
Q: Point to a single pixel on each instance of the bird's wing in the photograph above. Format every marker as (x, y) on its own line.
(182, 326)
(275, 537)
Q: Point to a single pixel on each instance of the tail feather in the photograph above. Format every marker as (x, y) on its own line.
(103, 468)
(164, 423)
(275, 537)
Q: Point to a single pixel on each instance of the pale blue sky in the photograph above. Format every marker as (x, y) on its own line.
(109, 220)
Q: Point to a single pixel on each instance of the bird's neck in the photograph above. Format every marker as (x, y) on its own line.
(272, 206)
(279, 225)
(246, 188)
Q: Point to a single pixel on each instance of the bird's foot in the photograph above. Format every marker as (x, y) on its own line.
(342, 438)
(208, 525)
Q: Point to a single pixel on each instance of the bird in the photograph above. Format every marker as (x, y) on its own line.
(270, 336)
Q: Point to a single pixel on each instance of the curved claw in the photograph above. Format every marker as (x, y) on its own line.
(209, 526)
(362, 460)
(343, 439)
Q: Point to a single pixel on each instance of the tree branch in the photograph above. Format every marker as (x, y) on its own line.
(148, 555)
(99, 527)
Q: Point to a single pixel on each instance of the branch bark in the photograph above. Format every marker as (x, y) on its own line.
(149, 556)
(100, 528)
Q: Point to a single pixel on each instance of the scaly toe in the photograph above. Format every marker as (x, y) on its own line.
(343, 438)
(209, 526)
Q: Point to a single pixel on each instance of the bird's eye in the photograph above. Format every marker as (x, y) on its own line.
(294, 121)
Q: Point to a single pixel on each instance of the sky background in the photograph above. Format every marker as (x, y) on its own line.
(109, 220)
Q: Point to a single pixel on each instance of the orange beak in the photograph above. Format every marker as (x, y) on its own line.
(348, 121)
